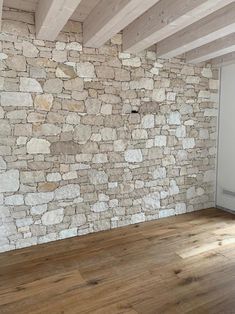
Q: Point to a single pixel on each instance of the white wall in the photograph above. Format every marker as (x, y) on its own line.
(226, 148)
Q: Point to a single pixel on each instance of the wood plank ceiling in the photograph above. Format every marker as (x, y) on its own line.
(199, 30)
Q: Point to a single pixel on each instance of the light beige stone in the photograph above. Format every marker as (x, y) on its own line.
(53, 86)
(133, 155)
(38, 146)
(53, 217)
(9, 181)
(82, 133)
(43, 102)
(65, 71)
(69, 191)
(93, 106)
(38, 198)
(16, 99)
(29, 50)
(86, 70)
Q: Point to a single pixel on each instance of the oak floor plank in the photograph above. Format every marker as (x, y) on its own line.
(183, 264)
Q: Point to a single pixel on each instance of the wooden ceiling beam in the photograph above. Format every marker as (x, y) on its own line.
(52, 15)
(210, 28)
(212, 50)
(110, 17)
(164, 19)
(227, 59)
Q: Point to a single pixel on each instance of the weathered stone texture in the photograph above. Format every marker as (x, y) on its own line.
(93, 139)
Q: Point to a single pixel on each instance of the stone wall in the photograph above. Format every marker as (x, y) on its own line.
(97, 139)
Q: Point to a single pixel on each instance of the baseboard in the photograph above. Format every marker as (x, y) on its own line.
(226, 210)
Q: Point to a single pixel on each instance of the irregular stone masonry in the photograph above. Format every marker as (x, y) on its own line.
(93, 139)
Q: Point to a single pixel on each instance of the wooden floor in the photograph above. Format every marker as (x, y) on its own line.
(184, 264)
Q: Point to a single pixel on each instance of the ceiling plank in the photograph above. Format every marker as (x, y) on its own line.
(110, 17)
(224, 60)
(52, 15)
(212, 50)
(164, 19)
(210, 28)
(1, 5)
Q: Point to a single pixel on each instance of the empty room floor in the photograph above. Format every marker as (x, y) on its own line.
(183, 264)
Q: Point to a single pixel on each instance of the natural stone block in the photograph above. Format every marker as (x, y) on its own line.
(139, 134)
(93, 106)
(54, 177)
(31, 176)
(152, 201)
(14, 200)
(97, 177)
(74, 46)
(149, 107)
(38, 198)
(180, 208)
(53, 86)
(108, 134)
(47, 186)
(65, 71)
(43, 102)
(166, 213)
(160, 140)
(105, 72)
(86, 70)
(209, 176)
(137, 218)
(3, 165)
(35, 117)
(133, 155)
(78, 220)
(211, 113)
(207, 72)
(110, 99)
(99, 207)
(9, 181)
(30, 85)
(23, 129)
(159, 94)
(38, 146)
(59, 56)
(16, 99)
(5, 128)
(159, 173)
(53, 217)
(122, 75)
(143, 83)
(38, 210)
(180, 131)
(69, 191)
(188, 143)
(73, 105)
(37, 72)
(82, 133)
(65, 148)
(132, 62)
(29, 50)
(75, 84)
(68, 233)
(147, 121)
(174, 118)
(16, 63)
(191, 193)
(24, 222)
